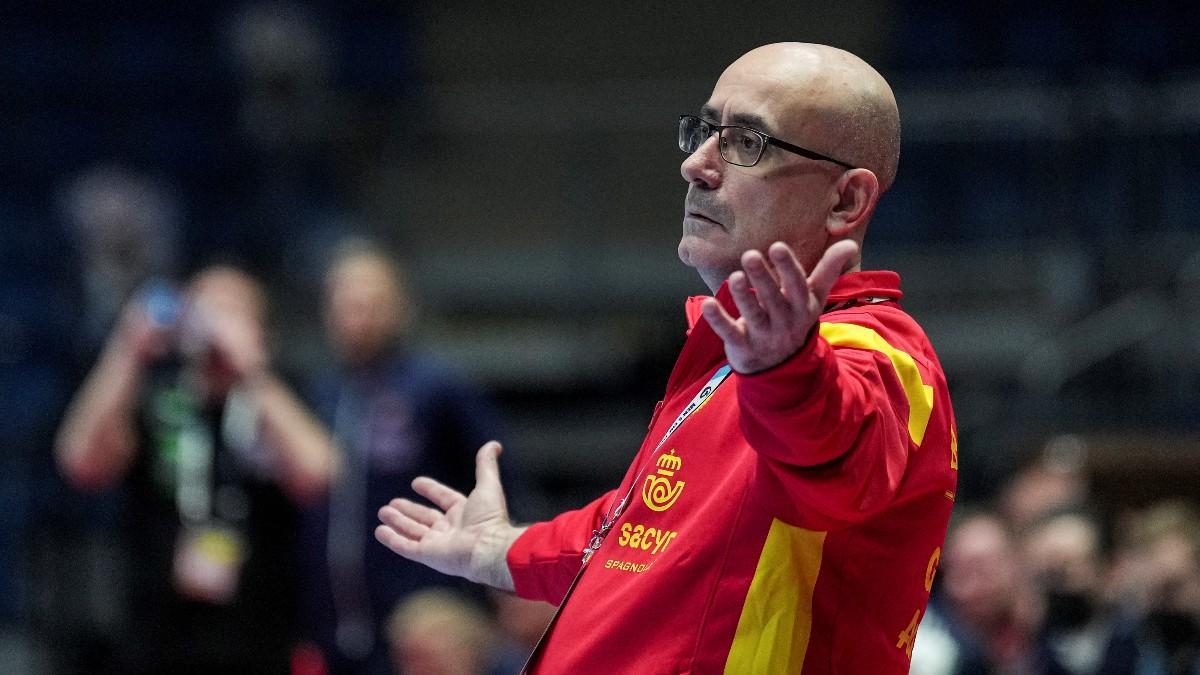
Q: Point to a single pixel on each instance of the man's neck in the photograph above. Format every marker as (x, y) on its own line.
(713, 280)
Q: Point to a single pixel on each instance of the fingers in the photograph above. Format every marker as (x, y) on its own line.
(444, 497)
(402, 523)
(830, 267)
(418, 512)
(487, 465)
(240, 341)
(748, 306)
(766, 284)
(724, 325)
(395, 541)
(791, 273)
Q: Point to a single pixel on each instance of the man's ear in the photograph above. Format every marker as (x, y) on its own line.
(857, 193)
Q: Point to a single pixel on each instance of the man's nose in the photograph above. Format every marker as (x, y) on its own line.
(703, 167)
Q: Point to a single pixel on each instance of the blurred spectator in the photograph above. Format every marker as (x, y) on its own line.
(984, 604)
(1053, 480)
(120, 228)
(1159, 580)
(183, 404)
(284, 66)
(1063, 556)
(438, 632)
(521, 624)
(940, 650)
(127, 231)
(291, 126)
(396, 414)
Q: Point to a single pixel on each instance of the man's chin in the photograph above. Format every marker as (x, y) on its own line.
(705, 258)
(687, 250)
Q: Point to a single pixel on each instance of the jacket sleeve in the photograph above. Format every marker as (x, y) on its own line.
(834, 426)
(546, 557)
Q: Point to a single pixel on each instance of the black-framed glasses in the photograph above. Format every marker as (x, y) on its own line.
(741, 146)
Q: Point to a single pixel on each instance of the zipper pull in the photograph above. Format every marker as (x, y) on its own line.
(593, 545)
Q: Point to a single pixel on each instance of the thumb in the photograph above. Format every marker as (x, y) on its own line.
(487, 466)
(831, 265)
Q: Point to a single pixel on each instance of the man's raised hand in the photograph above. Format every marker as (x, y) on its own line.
(777, 316)
(466, 535)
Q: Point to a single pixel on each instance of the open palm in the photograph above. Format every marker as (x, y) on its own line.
(466, 535)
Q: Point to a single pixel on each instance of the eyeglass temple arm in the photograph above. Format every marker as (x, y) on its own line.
(807, 153)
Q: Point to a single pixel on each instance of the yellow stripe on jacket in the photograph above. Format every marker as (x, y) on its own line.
(773, 630)
(919, 394)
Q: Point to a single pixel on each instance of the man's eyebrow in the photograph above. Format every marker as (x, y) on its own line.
(741, 119)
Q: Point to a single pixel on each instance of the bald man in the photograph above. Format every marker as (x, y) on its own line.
(786, 510)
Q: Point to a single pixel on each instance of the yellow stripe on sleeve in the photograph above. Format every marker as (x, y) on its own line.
(919, 394)
(776, 622)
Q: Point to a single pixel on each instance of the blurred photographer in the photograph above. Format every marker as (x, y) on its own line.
(1158, 583)
(216, 452)
(1063, 556)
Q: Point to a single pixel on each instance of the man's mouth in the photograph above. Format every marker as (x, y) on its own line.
(700, 216)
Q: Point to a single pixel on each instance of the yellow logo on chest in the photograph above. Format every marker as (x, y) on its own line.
(659, 491)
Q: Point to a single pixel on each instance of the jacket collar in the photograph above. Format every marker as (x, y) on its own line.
(875, 285)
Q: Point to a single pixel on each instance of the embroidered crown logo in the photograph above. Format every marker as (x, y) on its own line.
(669, 463)
(659, 492)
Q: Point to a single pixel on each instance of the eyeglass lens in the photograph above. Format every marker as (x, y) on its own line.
(693, 131)
(738, 146)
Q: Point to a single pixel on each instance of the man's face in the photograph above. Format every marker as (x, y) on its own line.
(364, 308)
(978, 571)
(222, 329)
(730, 209)
(1065, 550)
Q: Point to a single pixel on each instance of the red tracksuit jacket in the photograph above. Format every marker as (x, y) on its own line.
(792, 523)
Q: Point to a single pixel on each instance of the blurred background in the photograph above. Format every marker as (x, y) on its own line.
(520, 160)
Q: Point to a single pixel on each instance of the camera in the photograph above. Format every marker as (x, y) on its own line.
(165, 307)
(162, 303)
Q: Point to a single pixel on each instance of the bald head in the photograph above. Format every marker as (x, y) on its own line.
(830, 99)
(818, 103)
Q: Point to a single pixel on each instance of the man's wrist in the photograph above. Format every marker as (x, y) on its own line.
(493, 555)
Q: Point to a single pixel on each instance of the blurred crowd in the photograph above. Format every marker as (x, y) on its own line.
(246, 498)
(191, 480)
(1054, 578)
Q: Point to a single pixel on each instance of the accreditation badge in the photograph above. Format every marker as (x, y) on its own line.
(208, 562)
